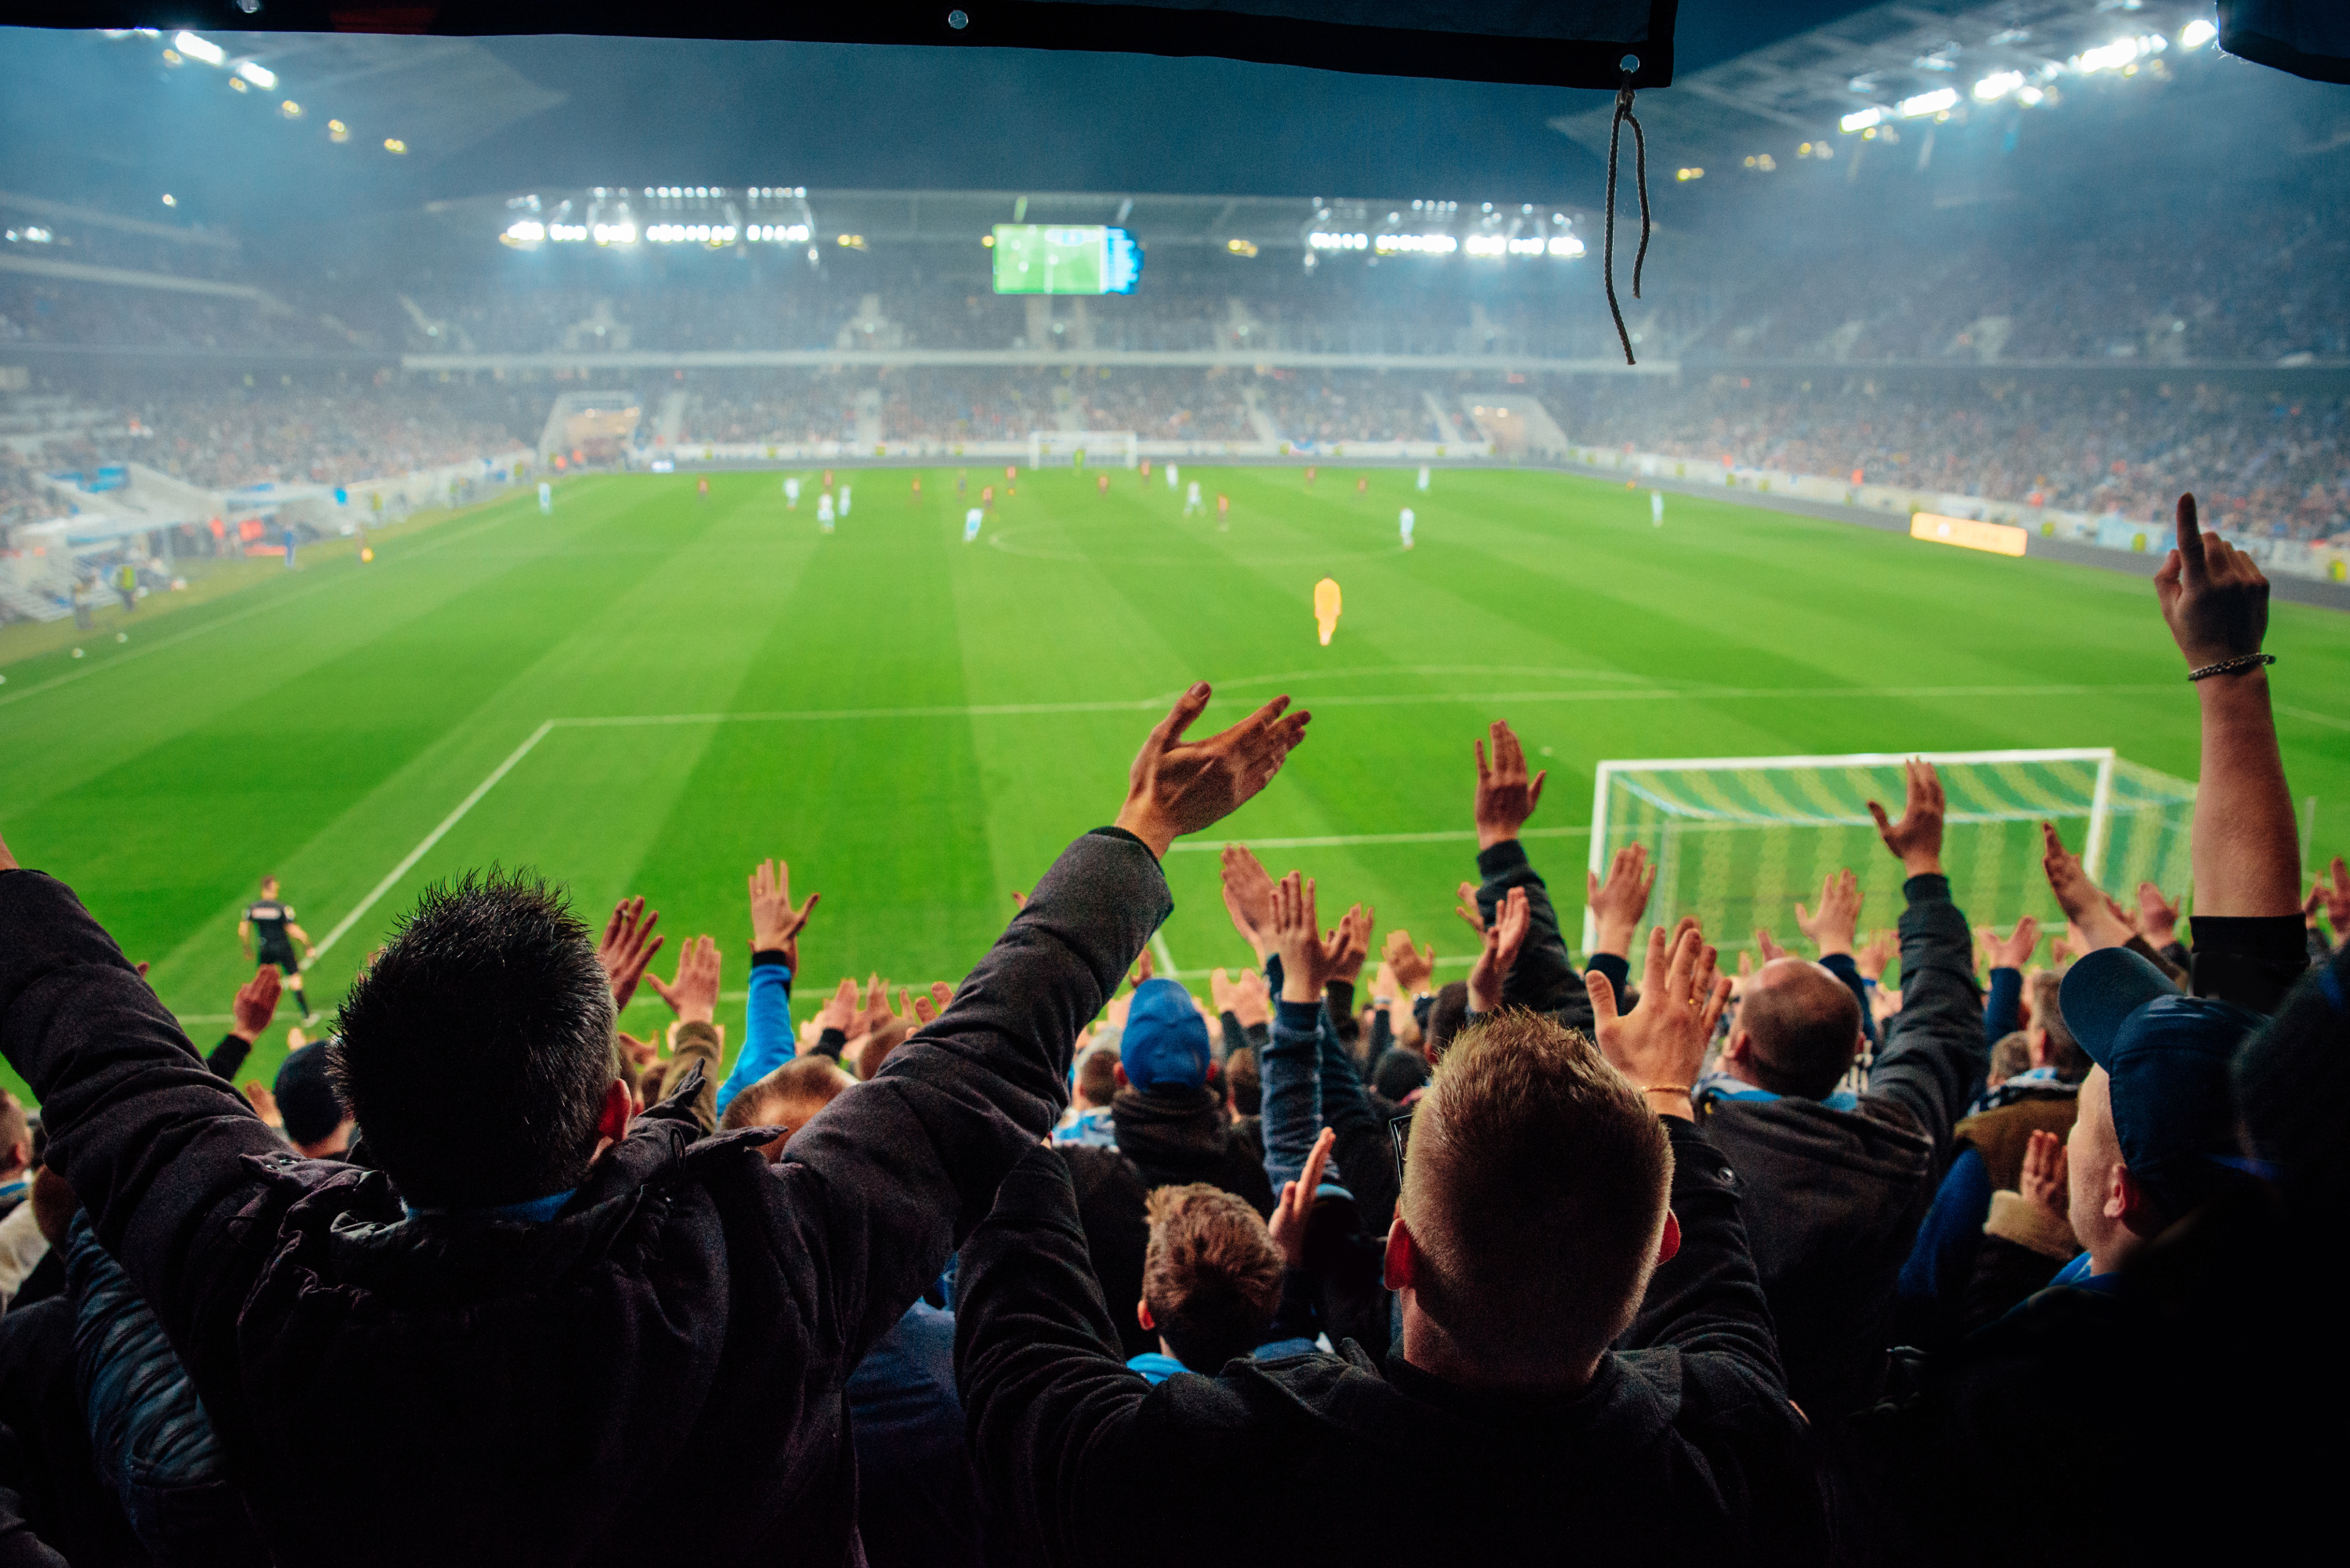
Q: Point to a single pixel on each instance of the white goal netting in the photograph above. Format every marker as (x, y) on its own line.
(1737, 841)
(1081, 449)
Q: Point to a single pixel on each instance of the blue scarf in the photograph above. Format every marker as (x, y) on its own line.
(1720, 1086)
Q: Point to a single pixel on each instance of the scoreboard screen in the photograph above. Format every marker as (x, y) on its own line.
(1065, 258)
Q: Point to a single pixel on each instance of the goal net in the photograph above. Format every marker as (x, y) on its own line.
(1737, 841)
(1078, 448)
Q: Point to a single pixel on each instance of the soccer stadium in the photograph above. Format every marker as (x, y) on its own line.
(1759, 647)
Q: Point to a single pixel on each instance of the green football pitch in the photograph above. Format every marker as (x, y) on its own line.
(650, 690)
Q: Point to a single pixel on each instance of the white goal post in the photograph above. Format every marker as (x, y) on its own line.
(1075, 448)
(1737, 841)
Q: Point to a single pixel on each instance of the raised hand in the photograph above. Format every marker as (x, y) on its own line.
(1252, 999)
(1411, 970)
(1143, 970)
(1877, 954)
(1512, 918)
(1296, 1205)
(1917, 839)
(839, 1010)
(628, 945)
(774, 924)
(1617, 903)
(1309, 958)
(2158, 916)
(1505, 796)
(1839, 918)
(1248, 896)
(2015, 950)
(1661, 1044)
(1354, 934)
(1467, 907)
(876, 1011)
(2095, 920)
(2214, 599)
(928, 1008)
(2042, 1178)
(2336, 896)
(256, 1004)
(641, 1053)
(264, 1103)
(1179, 786)
(1768, 946)
(693, 994)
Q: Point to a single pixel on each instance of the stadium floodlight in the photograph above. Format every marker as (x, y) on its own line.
(1565, 246)
(257, 73)
(1997, 85)
(1861, 120)
(199, 48)
(2198, 33)
(1927, 103)
(1735, 841)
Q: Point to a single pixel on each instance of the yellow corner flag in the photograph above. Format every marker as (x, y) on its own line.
(1325, 608)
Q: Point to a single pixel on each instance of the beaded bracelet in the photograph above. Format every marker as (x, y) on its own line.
(2230, 666)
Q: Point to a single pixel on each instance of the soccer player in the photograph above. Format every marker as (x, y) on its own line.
(1171, 481)
(275, 922)
(545, 499)
(1423, 479)
(701, 488)
(1309, 475)
(1656, 509)
(962, 479)
(970, 522)
(792, 493)
(1192, 502)
(1223, 510)
(1403, 524)
(844, 501)
(823, 510)
(987, 495)
(1101, 485)
(128, 604)
(918, 488)
(1362, 485)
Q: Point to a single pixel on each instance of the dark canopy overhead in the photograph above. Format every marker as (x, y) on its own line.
(1553, 43)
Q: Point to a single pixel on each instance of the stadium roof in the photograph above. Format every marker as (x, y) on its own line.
(1801, 87)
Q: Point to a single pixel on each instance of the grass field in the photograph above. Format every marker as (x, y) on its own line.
(665, 689)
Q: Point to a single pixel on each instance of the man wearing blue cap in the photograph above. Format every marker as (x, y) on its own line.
(1168, 1122)
(2154, 1370)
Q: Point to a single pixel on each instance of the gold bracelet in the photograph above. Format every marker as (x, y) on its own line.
(1680, 1089)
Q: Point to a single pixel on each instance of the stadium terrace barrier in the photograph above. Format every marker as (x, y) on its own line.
(727, 452)
(2325, 560)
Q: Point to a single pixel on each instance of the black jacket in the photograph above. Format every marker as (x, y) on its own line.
(1685, 1450)
(654, 1376)
(1835, 1197)
(1177, 1135)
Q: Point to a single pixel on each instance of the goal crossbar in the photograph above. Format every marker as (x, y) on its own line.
(1619, 778)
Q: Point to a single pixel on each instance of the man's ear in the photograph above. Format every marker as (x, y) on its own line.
(1738, 1049)
(2127, 1200)
(612, 1122)
(1118, 1073)
(2035, 1042)
(1401, 1260)
(1142, 1316)
(1669, 1243)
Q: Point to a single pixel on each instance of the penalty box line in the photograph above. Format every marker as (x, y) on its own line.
(376, 894)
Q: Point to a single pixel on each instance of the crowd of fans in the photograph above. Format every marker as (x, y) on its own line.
(2274, 463)
(1845, 1259)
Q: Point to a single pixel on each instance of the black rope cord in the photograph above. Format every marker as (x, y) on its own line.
(1640, 181)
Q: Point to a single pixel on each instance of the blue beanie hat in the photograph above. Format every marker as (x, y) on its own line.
(1165, 1040)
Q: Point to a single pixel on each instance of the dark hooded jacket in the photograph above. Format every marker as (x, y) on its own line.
(1682, 1450)
(1833, 1197)
(1176, 1134)
(655, 1376)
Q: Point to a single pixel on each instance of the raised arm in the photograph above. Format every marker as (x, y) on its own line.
(154, 1143)
(1543, 980)
(1932, 1060)
(899, 1168)
(254, 1005)
(2246, 850)
(776, 926)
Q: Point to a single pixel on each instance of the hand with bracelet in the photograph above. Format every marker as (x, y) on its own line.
(1661, 1044)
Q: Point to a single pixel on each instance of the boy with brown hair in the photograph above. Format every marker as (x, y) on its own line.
(1210, 1281)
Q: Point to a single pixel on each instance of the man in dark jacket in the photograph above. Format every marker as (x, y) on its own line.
(1174, 1128)
(1836, 1183)
(1533, 1223)
(647, 1370)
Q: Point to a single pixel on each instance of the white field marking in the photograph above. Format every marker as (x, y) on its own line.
(2303, 713)
(431, 838)
(1159, 951)
(1348, 840)
(1145, 704)
(143, 648)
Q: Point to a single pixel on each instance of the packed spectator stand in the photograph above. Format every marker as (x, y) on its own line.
(1610, 1250)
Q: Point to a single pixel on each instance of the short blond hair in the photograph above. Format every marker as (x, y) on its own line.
(805, 1081)
(1534, 1190)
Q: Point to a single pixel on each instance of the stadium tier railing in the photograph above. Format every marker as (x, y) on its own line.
(721, 452)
